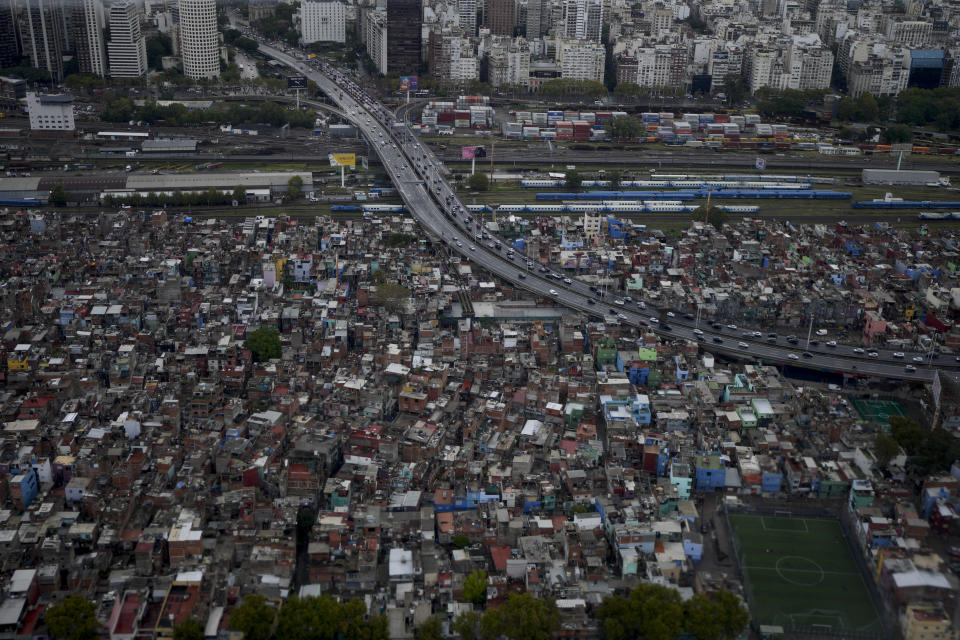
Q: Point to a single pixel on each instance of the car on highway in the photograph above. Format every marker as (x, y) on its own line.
(459, 244)
(472, 248)
(917, 358)
(666, 327)
(718, 339)
(623, 317)
(618, 301)
(793, 356)
(873, 354)
(897, 354)
(910, 368)
(807, 354)
(671, 314)
(567, 281)
(697, 332)
(654, 320)
(858, 350)
(522, 275)
(554, 292)
(732, 327)
(743, 345)
(590, 301)
(832, 343)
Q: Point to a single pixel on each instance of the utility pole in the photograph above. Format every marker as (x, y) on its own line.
(809, 331)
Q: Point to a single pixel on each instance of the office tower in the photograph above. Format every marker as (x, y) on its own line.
(199, 46)
(538, 18)
(583, 19)
(86, 23)
(404, 19)
(9, 44)
(322, 21)
(42, 33)
(501, 16)
(467, 9)
(127, 51)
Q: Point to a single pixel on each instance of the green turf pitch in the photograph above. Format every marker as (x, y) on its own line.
(800, 572)
(877, 411)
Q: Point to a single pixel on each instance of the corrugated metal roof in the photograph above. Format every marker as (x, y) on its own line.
(216, 180)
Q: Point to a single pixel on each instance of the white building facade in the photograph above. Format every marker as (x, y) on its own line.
(323, 21)
(199, 40)
(126, 50)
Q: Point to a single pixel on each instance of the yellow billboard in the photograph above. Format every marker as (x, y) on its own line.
(343, 160)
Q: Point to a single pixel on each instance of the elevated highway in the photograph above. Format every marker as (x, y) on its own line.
(418, 176)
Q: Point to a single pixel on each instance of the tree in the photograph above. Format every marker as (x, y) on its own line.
(189, 629)
(651, 611)
(254, 617)
(716, 216)
(573, 180)
(521, 617)
(264, 343)
(294, 186)
(475, 587)
(430, 629)
(72, 619)
(247, 44)
(735, 87)
(717, 617)
(391, 295)
(847, 110)
(867, 108)
(615, 178)
(466, 625)
(478, 182)
(885, 448)
(240, 195)
(461, 541)
(158, 47)
(626, 127)
(897, 134)
(58, 195)
(306, 518)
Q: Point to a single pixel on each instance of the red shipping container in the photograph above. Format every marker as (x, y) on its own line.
(733, 136)
(721, 117)
(445, 116)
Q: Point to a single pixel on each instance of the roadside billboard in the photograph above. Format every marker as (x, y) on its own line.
(468, 153)
(343, 159)
(296, 82)
(408, 83)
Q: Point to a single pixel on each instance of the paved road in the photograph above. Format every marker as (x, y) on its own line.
(417, 174)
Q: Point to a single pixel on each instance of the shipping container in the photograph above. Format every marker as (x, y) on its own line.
(721, 117)
(650, 117)
(706, 117)
(539, 117)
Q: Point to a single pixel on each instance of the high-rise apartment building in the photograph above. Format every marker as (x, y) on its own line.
(126, 49)
(580, 60)
(538, 18)
(199, 44)
(322, 21)
(583, 19)
(43, 35)
(467, 11)
(375, 37)
(9, 44)
(501, 16)
(87, 24)
(404, 20)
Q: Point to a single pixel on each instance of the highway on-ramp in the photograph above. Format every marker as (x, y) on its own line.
(417, 175)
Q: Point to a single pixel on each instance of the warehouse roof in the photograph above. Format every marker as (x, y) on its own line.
(224, 180)
(19, 184)
(169, 145)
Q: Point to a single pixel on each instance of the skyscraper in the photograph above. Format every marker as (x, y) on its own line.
(404, 18)
(9, 44)
(538, 18)
(198, 38)
(501, 16)
(467, 10)
(583, 19)
(127, 51)
(86, 25)
(43, 36)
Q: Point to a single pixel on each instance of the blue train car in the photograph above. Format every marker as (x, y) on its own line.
(906, 204)
(345, 207)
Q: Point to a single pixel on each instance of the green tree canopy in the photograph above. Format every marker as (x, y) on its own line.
(885, 448)
(254, 617)
(294, 187)
(72, 619)
(521, 617)
(430, 629)
(475, 587)
(189, 629)
(736, 88)
(58, 195)
(928, 450)
(478, 182)
(626, 127)
(896, 134)
(264, 343)
(573, 180)
(651, 611)
(158, 47)
(466, 625)
(615, 178)
(718, 617)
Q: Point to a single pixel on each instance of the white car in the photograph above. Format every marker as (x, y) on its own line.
(618, 301)
(553, 292)
(472, 248)
(743, 345)
(793, 356)
(832, 343)
(858, 350)
(671, 314)
(654, 320)
(898, 354)
(732, 327)
(697, 332)
(918, 358)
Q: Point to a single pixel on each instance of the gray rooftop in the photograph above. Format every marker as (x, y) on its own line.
(221, 180)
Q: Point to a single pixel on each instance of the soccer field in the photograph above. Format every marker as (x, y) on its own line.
(800, 573)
